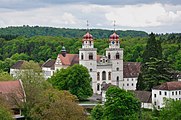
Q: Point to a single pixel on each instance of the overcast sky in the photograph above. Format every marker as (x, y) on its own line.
(159, 16)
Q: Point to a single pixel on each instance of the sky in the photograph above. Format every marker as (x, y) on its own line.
(158, 16)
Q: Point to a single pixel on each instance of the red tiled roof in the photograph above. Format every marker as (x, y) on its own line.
(18, 64)
(12, 92)
(131, 69)
(69, 59)
(175, 85)
(49, 63)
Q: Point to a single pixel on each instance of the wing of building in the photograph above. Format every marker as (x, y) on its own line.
(170, 90)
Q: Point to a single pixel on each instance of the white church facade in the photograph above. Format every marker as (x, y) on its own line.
(103, 69)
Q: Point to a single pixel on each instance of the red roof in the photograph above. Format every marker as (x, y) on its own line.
(131, 69)
(11, 90)
(175, 85)
(114, 36)
(69, 59)
(87, 37)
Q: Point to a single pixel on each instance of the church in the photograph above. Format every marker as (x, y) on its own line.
(104, 69)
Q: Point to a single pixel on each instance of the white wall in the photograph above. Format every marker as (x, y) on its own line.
(129, 83)
(159, 95)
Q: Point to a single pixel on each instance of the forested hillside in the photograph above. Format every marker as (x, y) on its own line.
(12, 32)
(40, 48)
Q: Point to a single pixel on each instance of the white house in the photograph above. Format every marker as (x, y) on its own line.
(166, 90)
(16, 68)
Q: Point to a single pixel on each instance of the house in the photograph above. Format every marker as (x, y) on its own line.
(49, 68)
(12, 92)
(16, 68)
(166, 90)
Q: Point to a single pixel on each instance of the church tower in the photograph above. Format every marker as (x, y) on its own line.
(115, 56)
(88, 57)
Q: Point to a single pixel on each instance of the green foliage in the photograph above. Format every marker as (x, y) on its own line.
(153, 49)
(171, 111)
(120, 105)
(57, 105)
(13, 32)
(21, 56)
(154, 73)
(5, 114)
(75, 79)
(97, 112)
(154, 69)
(4, 76)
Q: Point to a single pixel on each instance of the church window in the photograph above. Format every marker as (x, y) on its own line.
(98, 87)
(117, 80)
(91, 70)
(103, 75)
(98, 75)
(128, 84)
(165, 93)
(117, 55)
(109, 75)
(117, 69)
(90, 56)
(160, 93)
(132, 84)
(109, 56)
(82, 56)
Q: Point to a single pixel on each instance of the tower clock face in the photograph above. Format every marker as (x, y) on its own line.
(113, 42)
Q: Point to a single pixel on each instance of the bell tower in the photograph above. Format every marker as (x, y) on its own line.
(88, 57)
(115, 56)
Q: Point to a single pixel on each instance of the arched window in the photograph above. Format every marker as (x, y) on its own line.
(82, 56)
(117, 81)
(109, 56)
(117, 55)
(90, 56)
(91, 70)
(103, 75)
(117, 69)
(98, 76)
(109, 76)
(98, 87)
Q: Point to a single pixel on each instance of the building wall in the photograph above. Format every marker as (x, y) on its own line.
(48, 72)
(158, 96)
(129, 83)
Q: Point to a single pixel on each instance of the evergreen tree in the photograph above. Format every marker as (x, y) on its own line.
(154, 69)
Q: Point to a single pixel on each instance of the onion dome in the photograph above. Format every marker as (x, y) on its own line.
(87, 37)
(114, 37)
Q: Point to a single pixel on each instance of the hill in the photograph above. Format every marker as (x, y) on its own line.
(27, 31)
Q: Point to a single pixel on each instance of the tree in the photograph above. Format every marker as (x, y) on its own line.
(75, 79)
(153, 49)
(154, 69)
(58, 105)
(4, 76)
(5, 113)
(171, 111)
(33, 83)
(154, 73)
(120, 105)
(97, 112)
